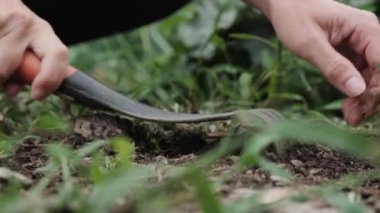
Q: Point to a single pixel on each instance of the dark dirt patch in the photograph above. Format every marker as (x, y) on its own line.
(314, 164)
(28, 157)
(311, 164)
(165, 139)
(150, 140)
(371, 195)
(181, 144)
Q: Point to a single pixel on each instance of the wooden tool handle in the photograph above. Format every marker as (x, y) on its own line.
(31, 66)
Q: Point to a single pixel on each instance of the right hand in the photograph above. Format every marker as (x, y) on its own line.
(358, 109)
(342, 41)
(22, 30)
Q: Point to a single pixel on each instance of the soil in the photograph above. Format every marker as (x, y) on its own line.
(181, 144)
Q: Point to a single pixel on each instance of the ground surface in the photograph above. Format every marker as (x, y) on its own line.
(312, 165)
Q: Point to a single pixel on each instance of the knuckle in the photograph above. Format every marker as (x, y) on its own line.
(62, 52)
(371, 16)
(370, 26)
(44, 24)
(335, 70)
(21, 18)
(369, 22)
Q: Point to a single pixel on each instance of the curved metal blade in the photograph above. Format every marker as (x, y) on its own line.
(87, 91)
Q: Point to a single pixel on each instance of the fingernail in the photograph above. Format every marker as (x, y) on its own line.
(354, 86)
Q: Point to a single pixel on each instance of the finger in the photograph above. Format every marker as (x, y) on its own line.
(12, 89)
(338, 70)
(54, 61)
(360, 63)
(353, 115)
(366, 41)
(375, 81)
(363, 107)
(372, 105)
(357, 59)
(12, 48)
(367, 74)
(370, 101)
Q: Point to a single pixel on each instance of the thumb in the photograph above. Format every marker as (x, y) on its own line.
(338, 70)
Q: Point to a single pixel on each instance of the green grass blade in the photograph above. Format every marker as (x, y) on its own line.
(205, 194)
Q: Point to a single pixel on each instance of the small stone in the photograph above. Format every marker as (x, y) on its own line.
(314, 171)
(83, 128)
(249, 172)
(297, 163)
(276, 194)
(377, 206)
(240, 194)
(280, 181)
(212, 128)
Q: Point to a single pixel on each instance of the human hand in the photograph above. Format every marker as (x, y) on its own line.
(342, 41)
(364, 106)
(22, 30)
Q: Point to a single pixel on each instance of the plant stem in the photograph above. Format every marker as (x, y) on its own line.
(275, 80)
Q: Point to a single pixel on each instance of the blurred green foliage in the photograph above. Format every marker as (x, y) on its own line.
(210, 56)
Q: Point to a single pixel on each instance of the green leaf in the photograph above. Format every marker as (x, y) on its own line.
(50, 122)
(335, 105)
(56, 152)
(327, 134)
(8, 145)
(288, 96)
(244, 36)
(125, 149)
(90, 148)
(114, 186)
(305, 132)
(205, 194)
(245, 82)
(275, 170)
(341, 201)
(96, 174)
